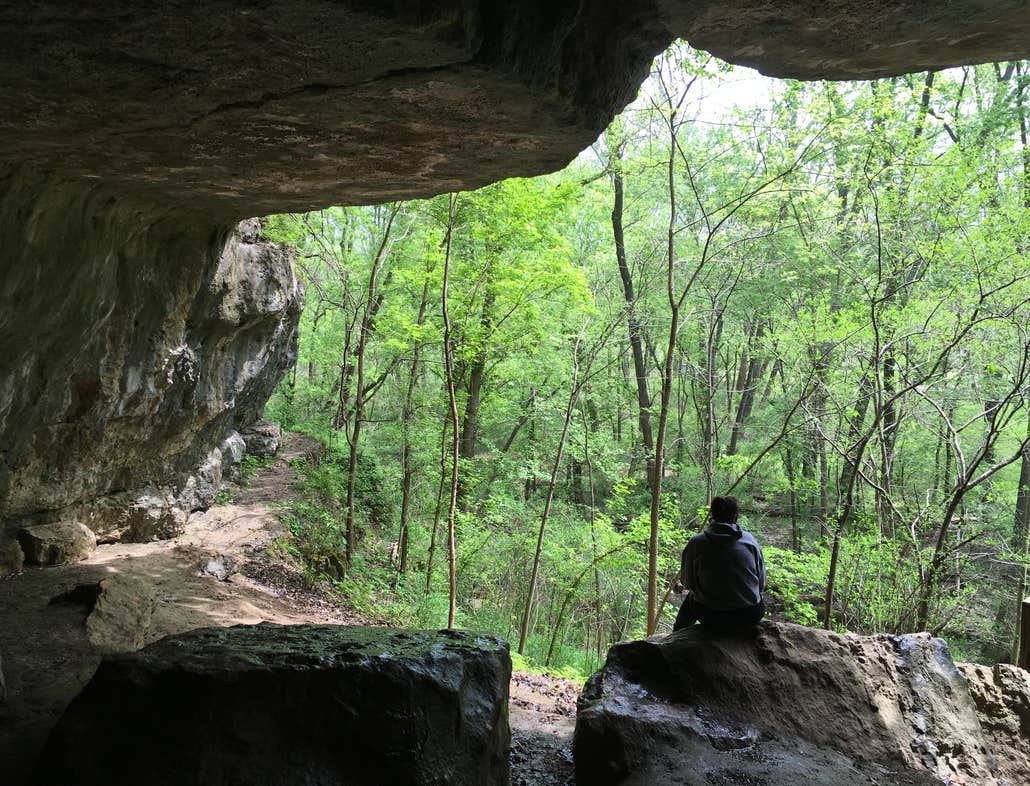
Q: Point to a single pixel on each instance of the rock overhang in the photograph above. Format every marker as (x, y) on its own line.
(134, 136)
(243, 108)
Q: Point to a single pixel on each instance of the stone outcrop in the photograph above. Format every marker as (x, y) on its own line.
(1002, 697)
(262, 438)
(134, 341)
(57, 544)
(308, 704)
(247, 110)
(853, 39)
(784, 705)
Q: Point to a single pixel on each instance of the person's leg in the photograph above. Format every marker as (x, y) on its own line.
(755, 613)
(727, 621)
(687, 616)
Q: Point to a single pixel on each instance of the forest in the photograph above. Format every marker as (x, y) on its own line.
(817, 302)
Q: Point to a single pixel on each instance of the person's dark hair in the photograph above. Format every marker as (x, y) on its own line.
(725, 509)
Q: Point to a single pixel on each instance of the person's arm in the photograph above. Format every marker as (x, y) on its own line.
(687, 567)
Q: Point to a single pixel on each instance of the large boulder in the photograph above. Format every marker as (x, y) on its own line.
(309, 704)
(782, 705)
(150, 514)
(1002, 696)
(262, 438)
(57, 543)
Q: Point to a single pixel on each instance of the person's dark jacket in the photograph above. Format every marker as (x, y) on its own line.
(724, 568)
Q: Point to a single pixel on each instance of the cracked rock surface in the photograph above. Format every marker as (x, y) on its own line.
(134, 340)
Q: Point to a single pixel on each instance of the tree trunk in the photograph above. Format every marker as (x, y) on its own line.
(455, 441)
(666, 391)
(635, 333)
(555, 468)
(470, 422)
(439, 504)
(373, 302)
(407, 470)
(747, 385)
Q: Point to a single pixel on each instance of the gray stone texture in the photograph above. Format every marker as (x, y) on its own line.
(121, 613)
(246, 109)
(134, 338)
(1002, 696)
(309, 704)
(782, 705)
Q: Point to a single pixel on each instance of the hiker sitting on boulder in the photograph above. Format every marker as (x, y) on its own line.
(724, 573)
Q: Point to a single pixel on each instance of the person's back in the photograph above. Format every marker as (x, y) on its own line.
(724, 572)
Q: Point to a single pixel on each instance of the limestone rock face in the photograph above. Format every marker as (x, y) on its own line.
(786, 705)
(1002, 697)
(58, 543)
(308, 704)
(853, 39)
(133, 339)
(262, 438)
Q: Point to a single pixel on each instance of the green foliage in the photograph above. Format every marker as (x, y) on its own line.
(852, 358)
(796, 579)
(251, 464)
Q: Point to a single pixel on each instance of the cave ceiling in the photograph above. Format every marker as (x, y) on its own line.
(242, 108)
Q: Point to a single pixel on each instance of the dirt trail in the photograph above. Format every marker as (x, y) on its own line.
(542, 713)
(218, 572)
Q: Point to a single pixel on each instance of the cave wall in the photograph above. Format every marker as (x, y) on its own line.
(138, 328)
(134, 339)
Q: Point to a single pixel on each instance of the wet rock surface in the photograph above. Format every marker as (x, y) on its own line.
(784, 705)
(57, 544)
(270, 704)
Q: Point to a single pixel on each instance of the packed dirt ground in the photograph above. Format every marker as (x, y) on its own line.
(220, 571)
